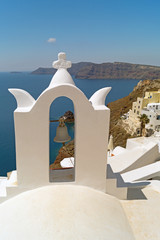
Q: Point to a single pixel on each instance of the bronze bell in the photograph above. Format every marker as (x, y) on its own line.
(62, 135)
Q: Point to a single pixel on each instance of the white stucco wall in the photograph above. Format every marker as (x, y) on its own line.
(32, 139)
(152, 116)
(32, 133)
(136, 108)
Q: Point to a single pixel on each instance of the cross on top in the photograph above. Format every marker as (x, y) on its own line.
(61, 62)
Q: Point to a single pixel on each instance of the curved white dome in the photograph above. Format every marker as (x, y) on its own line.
(63, 212)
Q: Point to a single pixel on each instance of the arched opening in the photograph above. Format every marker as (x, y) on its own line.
(61, 165)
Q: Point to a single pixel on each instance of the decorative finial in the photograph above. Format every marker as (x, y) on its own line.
(61, 62)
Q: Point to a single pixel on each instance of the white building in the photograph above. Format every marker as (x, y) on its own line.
(153, 113)
(136, 108)
(152, 100)
(154, 106)
(133, 120)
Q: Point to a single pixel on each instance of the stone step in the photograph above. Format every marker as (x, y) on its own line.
(8, 182)
(3, 182)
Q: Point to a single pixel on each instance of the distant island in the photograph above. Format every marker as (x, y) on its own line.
(116, 70)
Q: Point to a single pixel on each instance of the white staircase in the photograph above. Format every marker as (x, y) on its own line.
(8, 182)
(116, 186)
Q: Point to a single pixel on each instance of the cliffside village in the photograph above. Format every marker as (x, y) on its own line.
(145, 113)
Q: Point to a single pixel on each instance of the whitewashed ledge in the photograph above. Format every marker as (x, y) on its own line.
(144, 214)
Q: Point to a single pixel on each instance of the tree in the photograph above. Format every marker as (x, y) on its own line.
(144, 120)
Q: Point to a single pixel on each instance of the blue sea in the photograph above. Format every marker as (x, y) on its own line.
(35, 84)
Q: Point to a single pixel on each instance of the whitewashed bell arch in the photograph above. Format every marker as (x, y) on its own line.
(31, 120)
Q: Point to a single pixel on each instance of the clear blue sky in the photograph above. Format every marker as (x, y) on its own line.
(87, 30)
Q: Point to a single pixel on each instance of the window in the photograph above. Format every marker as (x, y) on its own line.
(134, 110)
(138, 131)
(138, 112)
(158, 117)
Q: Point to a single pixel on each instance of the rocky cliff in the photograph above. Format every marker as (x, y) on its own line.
(68, 117)
(117, 70)
(64, 152)
(73, 70)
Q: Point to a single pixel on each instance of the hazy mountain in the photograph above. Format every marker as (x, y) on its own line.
(117, 70)
(73, 70)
